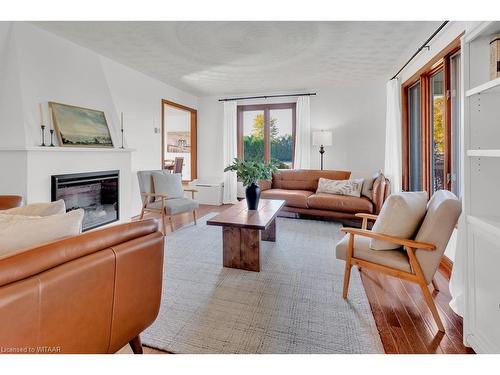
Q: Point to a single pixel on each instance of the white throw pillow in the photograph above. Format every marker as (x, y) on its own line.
(340, 187)
(38, 209)
(369, 179)
(19, 233)
(400, 216)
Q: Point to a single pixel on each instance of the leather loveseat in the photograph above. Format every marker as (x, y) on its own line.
(91, 293)
(298, 188)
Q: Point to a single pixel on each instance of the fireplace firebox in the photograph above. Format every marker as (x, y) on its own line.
(96, 192)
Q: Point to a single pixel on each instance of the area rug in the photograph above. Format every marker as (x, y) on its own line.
(294, 305)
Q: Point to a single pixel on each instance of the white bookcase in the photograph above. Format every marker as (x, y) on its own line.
(481, 200)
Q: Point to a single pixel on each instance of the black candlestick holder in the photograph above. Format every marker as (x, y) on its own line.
(43, 135)
(52, 138)
(122, 138)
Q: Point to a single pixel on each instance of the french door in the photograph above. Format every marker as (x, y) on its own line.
(431, 124)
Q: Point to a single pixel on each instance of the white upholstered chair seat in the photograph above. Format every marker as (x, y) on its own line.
(175, 206)
(397, 259)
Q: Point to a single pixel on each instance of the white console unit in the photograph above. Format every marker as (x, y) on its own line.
(207, 192)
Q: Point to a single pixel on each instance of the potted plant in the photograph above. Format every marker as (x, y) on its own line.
(249, 172)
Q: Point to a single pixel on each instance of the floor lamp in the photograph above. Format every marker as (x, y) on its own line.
(322, 138)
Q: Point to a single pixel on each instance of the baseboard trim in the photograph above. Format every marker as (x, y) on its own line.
(446, 266)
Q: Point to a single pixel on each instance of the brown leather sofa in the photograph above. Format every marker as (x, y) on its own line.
(10, 201)
(298, 188)
(91, 293)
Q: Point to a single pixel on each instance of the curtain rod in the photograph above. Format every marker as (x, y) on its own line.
(266, 96)
(421, 48)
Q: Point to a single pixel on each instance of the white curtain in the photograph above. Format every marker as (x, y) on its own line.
(392, 168)
(230, 151)
(457, 280)
(302, 157)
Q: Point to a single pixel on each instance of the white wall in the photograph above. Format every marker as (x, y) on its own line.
(37, 67)
(356, 115)
(445, 37)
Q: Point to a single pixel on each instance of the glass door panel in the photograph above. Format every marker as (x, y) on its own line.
(438, 132)
(455, 123)
(281, 137)
(414, 139)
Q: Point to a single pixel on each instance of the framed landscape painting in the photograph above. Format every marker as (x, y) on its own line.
(80, 127)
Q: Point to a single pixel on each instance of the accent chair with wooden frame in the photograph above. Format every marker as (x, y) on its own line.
(417, 260)
(161, 203)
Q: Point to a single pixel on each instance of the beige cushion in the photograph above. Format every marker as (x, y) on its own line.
(340, 187)
(400, 216)
(19, 233)
(368, 179)
(443, 211)
(397, 259)
(38, 209)
(169, 184)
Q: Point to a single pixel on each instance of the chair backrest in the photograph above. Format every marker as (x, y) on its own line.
(146, 181)
(443, 211)
(178, 165)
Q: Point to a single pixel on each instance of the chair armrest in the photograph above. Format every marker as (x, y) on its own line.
(154, 195)
(192, 190)
(367, 216)
(385, 237)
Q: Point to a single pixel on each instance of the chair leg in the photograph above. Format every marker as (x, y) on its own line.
(432, 306)
(136, 345)
(347, 272)
(347, 276)
(435, 285)
(164, 224)
(171, 223)
(142, 214)
(194, 216)
(423, 286)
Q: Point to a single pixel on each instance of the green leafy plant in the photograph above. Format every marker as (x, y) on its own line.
(250, 172)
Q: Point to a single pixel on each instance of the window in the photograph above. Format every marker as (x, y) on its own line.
(431, 124)
(267, 133)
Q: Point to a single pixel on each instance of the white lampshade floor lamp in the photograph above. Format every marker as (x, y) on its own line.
(322, 138)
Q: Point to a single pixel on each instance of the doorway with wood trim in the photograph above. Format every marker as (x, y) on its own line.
(178, 139)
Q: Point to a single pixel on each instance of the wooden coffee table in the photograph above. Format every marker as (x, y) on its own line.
(242, 231)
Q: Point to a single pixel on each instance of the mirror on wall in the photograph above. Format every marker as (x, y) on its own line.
(179, 139)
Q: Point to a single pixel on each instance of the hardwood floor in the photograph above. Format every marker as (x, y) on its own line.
(404, 322)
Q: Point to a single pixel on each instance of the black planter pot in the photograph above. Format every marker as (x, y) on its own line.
(252, 194)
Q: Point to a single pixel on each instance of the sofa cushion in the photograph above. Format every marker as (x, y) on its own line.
(293, 198)
(304, 179)
(340, 203)
(400, 217)
(18, 232)
(38, 209)
(397, 259)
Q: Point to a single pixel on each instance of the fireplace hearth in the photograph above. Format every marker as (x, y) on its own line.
(95, 192)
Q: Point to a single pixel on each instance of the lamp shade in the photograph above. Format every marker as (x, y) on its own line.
(322, 138)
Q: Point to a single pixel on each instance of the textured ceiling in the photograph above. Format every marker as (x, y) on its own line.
(213, 58)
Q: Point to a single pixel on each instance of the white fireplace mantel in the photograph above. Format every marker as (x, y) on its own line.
(67, 149)
(27, 171)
